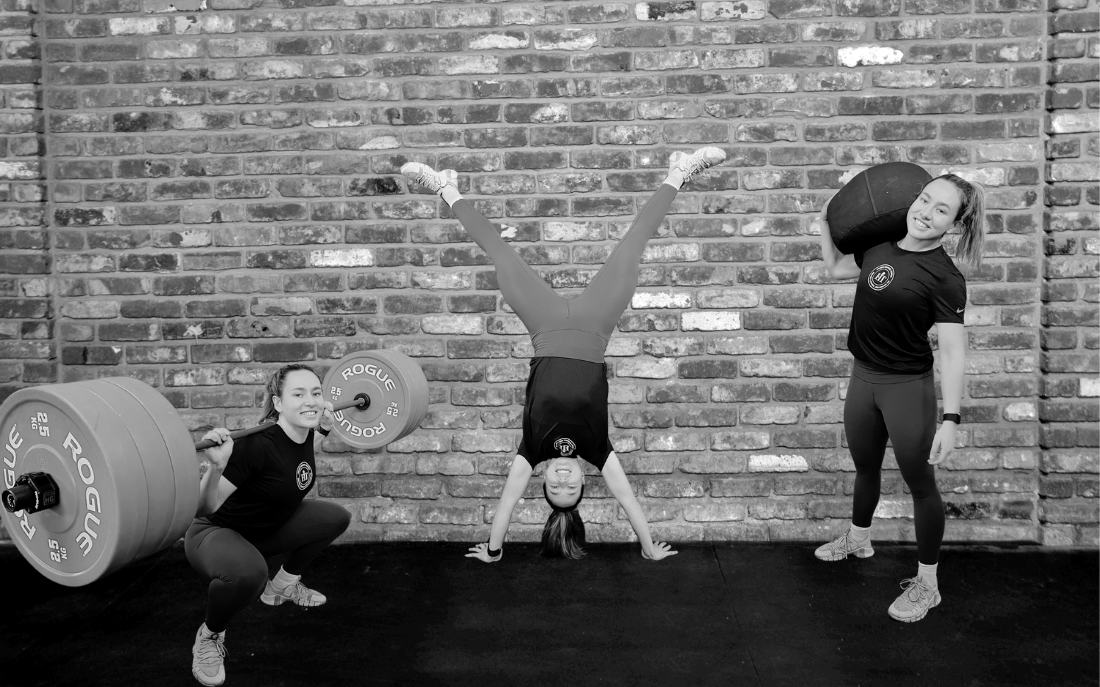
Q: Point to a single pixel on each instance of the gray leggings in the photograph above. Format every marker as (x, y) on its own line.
(597, 309)
(236, 567)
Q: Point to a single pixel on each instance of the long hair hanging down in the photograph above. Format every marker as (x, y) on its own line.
(563, 533)
(275, 388)
(971, 218)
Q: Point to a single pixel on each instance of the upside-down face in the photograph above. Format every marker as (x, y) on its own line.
(564, 477)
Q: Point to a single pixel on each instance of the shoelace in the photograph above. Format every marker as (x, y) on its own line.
(425, 178)
(908, 586)
(298, 592)
(211, 649)
(697, 163)
(846, 541)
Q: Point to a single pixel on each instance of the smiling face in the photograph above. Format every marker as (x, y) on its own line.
(564, 478)
(301, 402)
(934, 211)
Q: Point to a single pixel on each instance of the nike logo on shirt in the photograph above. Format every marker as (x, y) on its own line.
(959, 311)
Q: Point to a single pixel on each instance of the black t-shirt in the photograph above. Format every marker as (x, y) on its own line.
(565, 412)
(272, 474)
(900, 295)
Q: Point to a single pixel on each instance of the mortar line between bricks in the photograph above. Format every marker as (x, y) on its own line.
(53, 279)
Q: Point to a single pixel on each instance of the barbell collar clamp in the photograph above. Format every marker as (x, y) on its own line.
(31, 493)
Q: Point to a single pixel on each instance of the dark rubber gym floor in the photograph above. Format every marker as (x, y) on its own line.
(725, 614)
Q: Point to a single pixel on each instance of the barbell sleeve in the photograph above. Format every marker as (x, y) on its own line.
(359, 401)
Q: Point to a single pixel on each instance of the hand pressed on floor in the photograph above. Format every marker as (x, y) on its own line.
(657, 551)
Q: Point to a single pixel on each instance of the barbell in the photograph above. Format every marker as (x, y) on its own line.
(101, 473)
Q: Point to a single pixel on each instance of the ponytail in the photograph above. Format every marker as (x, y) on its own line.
(563, 533)
(971, 219)
(275, 388)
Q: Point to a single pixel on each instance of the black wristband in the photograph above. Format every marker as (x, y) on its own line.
(953, 417)
(493, 553)
(322, 431)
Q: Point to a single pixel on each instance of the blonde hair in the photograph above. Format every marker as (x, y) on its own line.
(971, 218)
(563, 533)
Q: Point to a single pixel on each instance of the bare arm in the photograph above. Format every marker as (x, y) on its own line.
(839, 265)
(952, 338)
(328, 420)
(518, 477)
(213, 488)
(619, 486)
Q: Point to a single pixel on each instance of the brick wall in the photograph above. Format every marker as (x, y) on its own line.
(27, 347)
(1068, 406)
(224, 197)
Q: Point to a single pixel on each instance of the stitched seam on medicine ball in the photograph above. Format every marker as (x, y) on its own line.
(870, 194)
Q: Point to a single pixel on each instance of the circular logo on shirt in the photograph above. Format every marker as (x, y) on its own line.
(880, 277)
(565, 447)
(304, 474)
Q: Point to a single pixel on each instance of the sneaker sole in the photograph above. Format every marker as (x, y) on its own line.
(201, 681)
(912, 619)
(273, 599)
(865, 552)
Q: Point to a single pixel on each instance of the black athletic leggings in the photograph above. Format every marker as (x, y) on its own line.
(236, 567)
(901, 408)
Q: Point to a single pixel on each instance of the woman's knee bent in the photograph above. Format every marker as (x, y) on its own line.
(335, 518)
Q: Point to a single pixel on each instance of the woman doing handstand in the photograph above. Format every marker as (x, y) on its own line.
(565, 413)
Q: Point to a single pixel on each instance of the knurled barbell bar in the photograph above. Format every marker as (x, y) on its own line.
(101, 473)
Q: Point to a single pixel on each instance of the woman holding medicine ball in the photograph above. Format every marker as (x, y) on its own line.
(904, 288)
(252, 505)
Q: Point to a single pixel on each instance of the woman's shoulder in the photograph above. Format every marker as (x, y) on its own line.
(951, 271)
(262, 440)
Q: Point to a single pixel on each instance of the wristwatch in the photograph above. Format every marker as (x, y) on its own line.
(953, 417)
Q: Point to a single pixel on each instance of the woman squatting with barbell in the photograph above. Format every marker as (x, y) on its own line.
(904, 288)
(565, 411)
(252, 505)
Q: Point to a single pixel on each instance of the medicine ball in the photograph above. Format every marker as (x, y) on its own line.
(871, 208)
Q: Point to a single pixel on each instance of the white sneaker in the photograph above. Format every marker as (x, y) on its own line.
(844, 546)
(429, 178)
(296, 592)
(207, 657)
(691, 164)
(915, 601)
